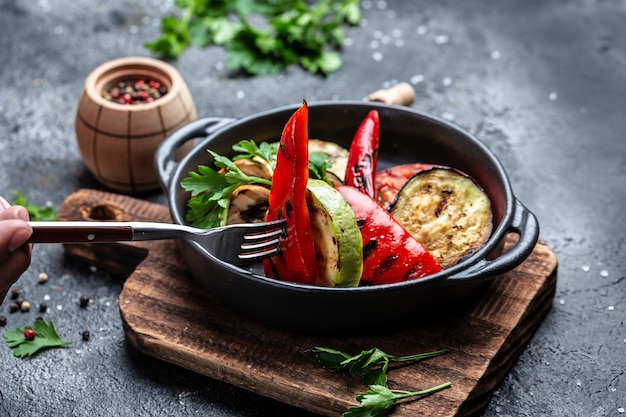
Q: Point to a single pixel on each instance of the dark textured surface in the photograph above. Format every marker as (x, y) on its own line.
(543, 83)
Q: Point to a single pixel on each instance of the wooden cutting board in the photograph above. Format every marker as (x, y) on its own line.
(167, 315)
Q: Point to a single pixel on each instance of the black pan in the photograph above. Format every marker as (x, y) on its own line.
(406, 136)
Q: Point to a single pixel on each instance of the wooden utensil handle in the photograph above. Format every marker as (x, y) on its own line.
(79, 232)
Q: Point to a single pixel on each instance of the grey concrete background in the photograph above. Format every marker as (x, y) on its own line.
(542, 82)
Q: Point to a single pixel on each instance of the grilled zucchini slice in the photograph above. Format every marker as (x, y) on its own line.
(336, 236)
(446, 211)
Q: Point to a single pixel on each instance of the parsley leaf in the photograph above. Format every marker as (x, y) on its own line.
(249, 149)
(36, 213)
(380, 399)
(286, 32)
(211, 191)
(319, 163)
(372, 364)
(46, 337)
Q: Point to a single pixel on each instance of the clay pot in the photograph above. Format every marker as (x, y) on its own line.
(118, 141)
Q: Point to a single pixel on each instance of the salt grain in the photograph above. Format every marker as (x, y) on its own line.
(416, 79)
(46, 297)
(59, 307)
(495, 55)
(579, 383)
(447, 82)
(441, 39)
(240, 94)
(561, 301)
(448, 116)
(421, 30)
(382, 4)
(377, 56)
(586, 268)
(621, 410)
(399, 43)
(604, 273)
(553, 96)
(374, 44)
(610, 308)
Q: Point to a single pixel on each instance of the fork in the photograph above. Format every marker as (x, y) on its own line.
(237, 244)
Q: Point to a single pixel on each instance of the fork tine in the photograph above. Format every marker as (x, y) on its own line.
(263, 243)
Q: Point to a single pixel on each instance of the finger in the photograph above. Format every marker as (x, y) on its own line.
(13, 234)
(14, 212)
(12, 268)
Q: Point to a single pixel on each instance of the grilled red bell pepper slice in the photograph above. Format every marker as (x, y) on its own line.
(363, 157)
(390, 253)
(287, 200)
(390, 180)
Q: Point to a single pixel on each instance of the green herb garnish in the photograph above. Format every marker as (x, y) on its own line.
(46, 337)
(249, 149)
(36, 213)
(380, 399)
(211, 191)
(373, 365)
(319, 163)
(262, 37)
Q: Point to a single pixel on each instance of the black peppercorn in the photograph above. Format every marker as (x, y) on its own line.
(3, 321)
(19, 301)
(84, 301)
(15, 294)
(13, 307)
(86, 335)
(43, 307)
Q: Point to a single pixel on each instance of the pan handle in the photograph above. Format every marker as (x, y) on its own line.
(525, 224)
(165, 157)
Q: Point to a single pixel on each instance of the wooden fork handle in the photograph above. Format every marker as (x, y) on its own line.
(79, 232)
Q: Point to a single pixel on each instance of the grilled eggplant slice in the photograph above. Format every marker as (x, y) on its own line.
(446, 211)
(248, 204)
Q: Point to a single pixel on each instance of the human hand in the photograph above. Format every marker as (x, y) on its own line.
(15, 254)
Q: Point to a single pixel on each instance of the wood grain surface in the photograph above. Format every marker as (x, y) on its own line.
(167, 315)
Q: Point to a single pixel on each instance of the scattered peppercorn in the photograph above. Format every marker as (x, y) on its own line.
(19, 301)
(15, 294)
(25, 306)
(29, 334)
(38, 318)
(3, 321)
(86, 335)
(135, 91)
(13, 307)
(43, 278)
(84, 301)
(43, 307)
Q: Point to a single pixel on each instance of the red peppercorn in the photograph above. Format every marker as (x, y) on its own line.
(29, 334)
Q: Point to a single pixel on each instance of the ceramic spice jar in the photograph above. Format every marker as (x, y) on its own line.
(118, 141)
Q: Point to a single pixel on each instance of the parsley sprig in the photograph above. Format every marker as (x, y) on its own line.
(262, 36)
(373, 365)
(380, 399)
(211, 191)
(46, 337)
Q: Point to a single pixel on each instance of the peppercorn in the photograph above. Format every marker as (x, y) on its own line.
(15, 294)
(84, 301)
(25, 306)
(19, 301)
(43, 307)
(135, 91)
(43, 278)
(29, 334)
(3, 321)
(13, 307)
(86, 335)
